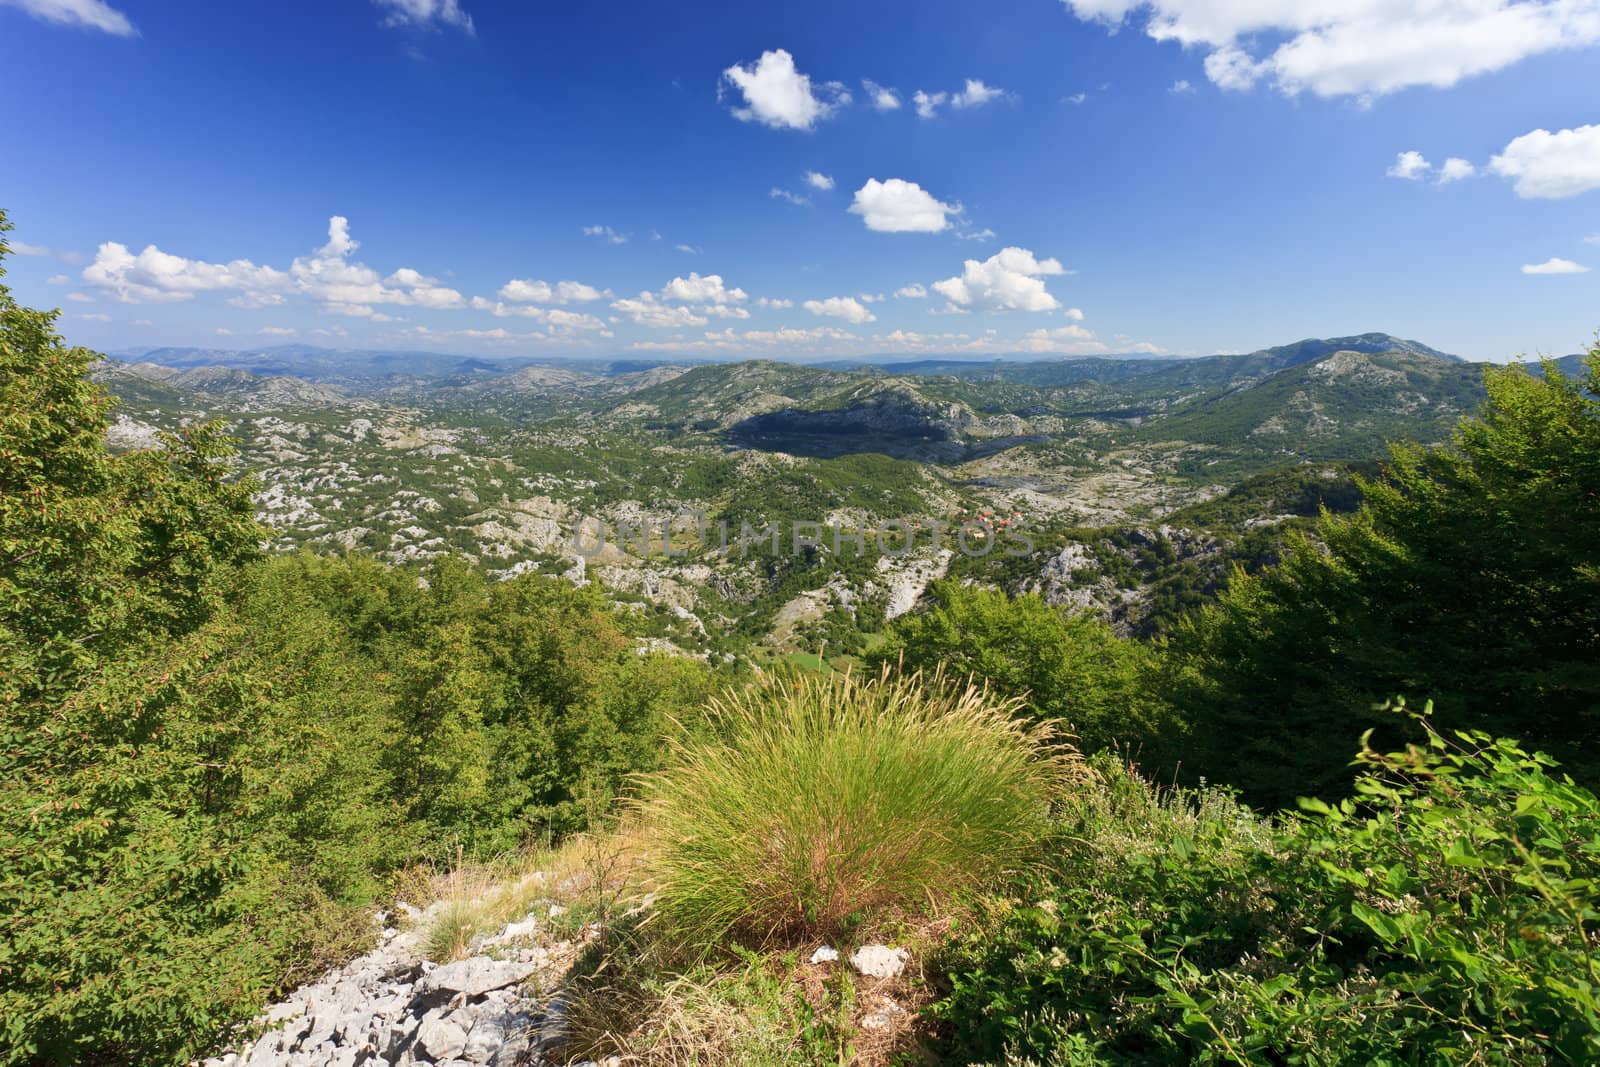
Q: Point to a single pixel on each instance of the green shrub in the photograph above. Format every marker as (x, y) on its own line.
(1471, 576)
(826, 800)
(1450, 915)
(1067, 666)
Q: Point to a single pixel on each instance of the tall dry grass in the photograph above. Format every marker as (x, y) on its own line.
(827, 801)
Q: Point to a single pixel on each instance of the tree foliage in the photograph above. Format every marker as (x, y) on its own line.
(1472, 576)
(1068, 666)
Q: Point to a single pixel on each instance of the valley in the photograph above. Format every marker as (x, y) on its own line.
(1108, 465)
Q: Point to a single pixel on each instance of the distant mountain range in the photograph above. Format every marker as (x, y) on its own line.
(365, 368)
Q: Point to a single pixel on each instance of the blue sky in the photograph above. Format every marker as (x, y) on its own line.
(1081, 176)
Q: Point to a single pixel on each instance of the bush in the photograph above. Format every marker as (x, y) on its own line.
(1448, 916)
(1471, 576)
(1068, 666)
(829, 800)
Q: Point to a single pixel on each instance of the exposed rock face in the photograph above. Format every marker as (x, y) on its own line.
(392, 1007)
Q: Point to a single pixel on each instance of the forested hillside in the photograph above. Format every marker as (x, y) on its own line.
(1321, 792)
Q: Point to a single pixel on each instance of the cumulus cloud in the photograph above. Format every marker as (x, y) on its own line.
(23, 248)
(80, 298)
(1456, 169)
(58, 279)
(157, 277)
(793, 198)
(425, 14)
(557, 318)
(1009, 280)
(818, 181)
(911, 292)
(690, 249)
(1555, 265)
(695, 289)
(328, 275)
(277, 331)
(928, 104)
(1066, 340)
(1362, 48)
(898, 206)
(774, 305)
(1411, 166)
(880, 97)
(95, 316)
(1182, 87)
(666, 310)
(974, 94)
(606, 234)
(841, 307)
(82, 14)
(1552, 166)
(777, 95)
(529, 291)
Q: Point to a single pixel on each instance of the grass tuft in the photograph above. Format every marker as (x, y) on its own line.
(829, 801)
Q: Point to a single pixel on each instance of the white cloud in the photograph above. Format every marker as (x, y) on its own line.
(223, 331)
(606, 234)
(529, 291)
(1066, 340)
(647, 310)
(1555, 265)
(1077, 98)
(425, 14)
(984, 234)
(1410, 166)
(1552, 166)
(976, 94)
(330, 276)
(928, 104)
(702, 290)
(58, 279)
(95, 316)
(793, 198)
(23, 248)
(556, 318)
(277, 331)
(1362, 48)
(778, 95)
(1592, 239)
(691, 249)
(1456, 169)
(774, 305)
(911, 292)
(82, 14)
(870, 298)
(157, 277)
(1009, 280)
(140, 322)
(1182, 87)
(80, 298)
(898, 206)
(841, 307)
(880, 97)
(818, 181)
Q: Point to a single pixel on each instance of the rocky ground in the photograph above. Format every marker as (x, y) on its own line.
(498, 1006)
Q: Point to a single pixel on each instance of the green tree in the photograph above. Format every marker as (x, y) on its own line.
(1471, 576)
(1070, 666)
